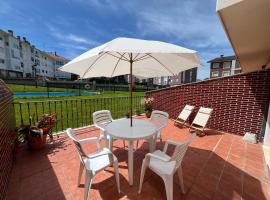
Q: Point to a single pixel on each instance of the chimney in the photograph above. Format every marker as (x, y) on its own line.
(55, 53)
(24, 39)
(18, 37)
(221, 55)
(10, 32)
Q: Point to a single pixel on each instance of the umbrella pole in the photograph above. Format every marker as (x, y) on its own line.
(130, 90)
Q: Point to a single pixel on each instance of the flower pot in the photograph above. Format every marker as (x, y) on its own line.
(148, 113)
(37, 142)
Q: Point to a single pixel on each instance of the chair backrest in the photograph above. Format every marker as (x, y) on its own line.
(185, 113)
(159, 118)
(78, 146)
(180, 150)
(202, 116)
(102, 118)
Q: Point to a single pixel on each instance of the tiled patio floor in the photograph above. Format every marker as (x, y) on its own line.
(217, 166)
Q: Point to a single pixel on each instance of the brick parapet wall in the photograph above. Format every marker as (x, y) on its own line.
(7, 125)
(239, 102)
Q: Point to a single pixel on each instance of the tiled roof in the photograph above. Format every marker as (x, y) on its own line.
(222, 59)
(55, 56)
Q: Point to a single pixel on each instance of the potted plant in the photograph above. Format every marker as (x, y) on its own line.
(148, 106)
(36, 135)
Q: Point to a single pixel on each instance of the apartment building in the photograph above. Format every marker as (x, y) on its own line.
(18, 58)
(224, 66)
(187, 76)
(184, 77)
(58, 61)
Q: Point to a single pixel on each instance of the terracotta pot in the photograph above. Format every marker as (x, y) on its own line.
(36, 142)
(148, 113)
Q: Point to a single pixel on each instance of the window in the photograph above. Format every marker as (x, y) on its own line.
(7, 44)
(42, 71)
(2, 61)
(1, 38)
(226, 65)
(237, 65)
(215, 74)
(46, 72)
(215, 65)
(22, 65)
(226, 73)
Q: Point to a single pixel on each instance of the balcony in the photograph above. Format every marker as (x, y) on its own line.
(219, 166)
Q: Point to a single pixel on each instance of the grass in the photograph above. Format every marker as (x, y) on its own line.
(72, 111)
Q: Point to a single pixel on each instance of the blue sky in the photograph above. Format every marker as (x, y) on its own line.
(71, 27)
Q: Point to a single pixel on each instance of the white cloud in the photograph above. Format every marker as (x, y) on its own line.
(69, 37)
(72, 46)
(82, 40)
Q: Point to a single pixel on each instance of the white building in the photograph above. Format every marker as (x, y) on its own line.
(18, 58)
(58, 61)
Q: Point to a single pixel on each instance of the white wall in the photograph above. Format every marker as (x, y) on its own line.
(267, 130)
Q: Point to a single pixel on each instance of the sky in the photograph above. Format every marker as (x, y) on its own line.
(71, 27)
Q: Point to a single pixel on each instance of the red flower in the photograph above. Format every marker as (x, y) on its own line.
(45, 130)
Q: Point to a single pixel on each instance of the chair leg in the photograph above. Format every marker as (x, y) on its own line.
(181, 181)
(80, 173)
(116, 171)
(144, 166)
(168, 181)
(88, 182)
(137, 144)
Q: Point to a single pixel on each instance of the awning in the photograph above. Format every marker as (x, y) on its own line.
(247, 24)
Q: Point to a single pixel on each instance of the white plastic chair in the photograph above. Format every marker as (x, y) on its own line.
(165, 166)
(95, 162)
(160, 120)
(101, 119)
(184, 115)
(201, 119)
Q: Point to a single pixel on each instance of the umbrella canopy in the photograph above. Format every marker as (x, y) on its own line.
(149, 58)
(141, 58)
(246, 23)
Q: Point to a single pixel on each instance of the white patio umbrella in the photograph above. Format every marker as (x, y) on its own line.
(135, 57)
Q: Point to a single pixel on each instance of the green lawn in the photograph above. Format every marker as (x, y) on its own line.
(72, 111)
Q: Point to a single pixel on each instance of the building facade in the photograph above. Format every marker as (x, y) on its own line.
(18, 59)
(184, 77)
(188, 76)
(224, 66)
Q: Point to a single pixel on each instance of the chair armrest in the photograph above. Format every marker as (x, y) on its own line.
(99, 127)
(149, 155)
(171, 143)
(97, 154)
(91, 139)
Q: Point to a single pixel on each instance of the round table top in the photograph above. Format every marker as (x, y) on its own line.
(121, 129)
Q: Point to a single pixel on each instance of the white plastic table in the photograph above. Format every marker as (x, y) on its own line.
(141, 129)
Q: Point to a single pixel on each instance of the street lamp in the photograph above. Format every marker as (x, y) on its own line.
(34, 67)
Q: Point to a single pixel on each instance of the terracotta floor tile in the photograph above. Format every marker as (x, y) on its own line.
(215, 167)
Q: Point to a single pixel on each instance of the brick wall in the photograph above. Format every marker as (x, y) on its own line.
(7, 124)
(239, 101)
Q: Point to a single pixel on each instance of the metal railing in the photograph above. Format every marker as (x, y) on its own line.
(74, 113)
